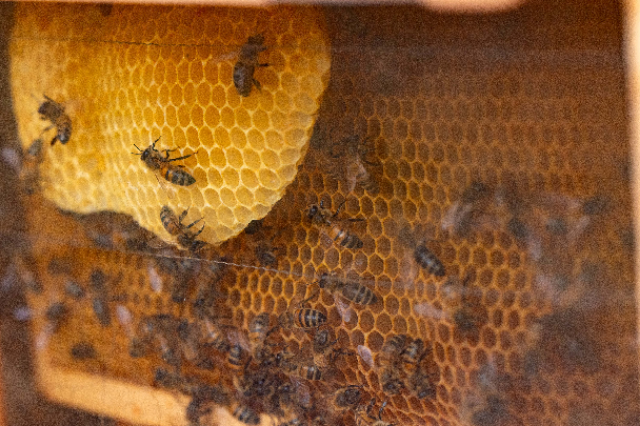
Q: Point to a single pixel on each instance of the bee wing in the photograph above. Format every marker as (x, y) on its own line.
(366, 355)
(155, 280)
(344, 309)
(235, 336)
(426, 309)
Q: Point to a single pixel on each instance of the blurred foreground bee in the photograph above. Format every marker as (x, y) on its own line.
(246, 65)
(174, 226)
(325, 218)
(29, 174)
(54, 112)
(172, 173)
(471, 212)
(83, 350)
(350, 290)
(424, 257)
(463, 306)
(429, 261)
(246, 415)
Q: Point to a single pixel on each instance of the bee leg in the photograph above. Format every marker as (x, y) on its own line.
(153, 145)
(179, 158)
(53, 141)
(307, 299)
(182, 216)
(263, 65)
(339, 208)
(201, 229)
(257, 84)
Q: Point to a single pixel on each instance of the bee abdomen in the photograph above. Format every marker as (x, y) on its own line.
(310, 372)
(309, 318)
(235, 358)
(359, 294)
(179, 177)
(426, 259)
(345, 238)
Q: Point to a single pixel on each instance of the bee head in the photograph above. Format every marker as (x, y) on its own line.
(313, 211)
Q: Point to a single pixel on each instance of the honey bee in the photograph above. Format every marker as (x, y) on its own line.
(247, 62)
(350, 290)
(174, 226)
(172, 173)
(390, 364)
(325, 218)
(265, 254)
(29, 174)
(412, 355)
(246, 415)
(258, 329)
(301, 317)
(213, 336)
(323, 348)
(370, 420)
(463, 306)
(429, 261)
(54, 112)
(236, 358)
(347, 397)
(307, 372)
(470, 212)
(421, 385)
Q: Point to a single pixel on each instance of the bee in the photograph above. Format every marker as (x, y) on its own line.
(372, 421)
(301, 317)
(325, 218)
(213, 336)
(412, 355)
(201, 395)
(389, 361)
(174, 226)
(254, 227)
(470, 212)
(258, 329)
(246, 65)
(155, 161)
(54, 112)
(246, 415)
(236, 358)
(265, 254)
(421, 385)
(350, 290)
(463, 306)
(323, 348)
(428, 260)
(347, 397)
(309, 372)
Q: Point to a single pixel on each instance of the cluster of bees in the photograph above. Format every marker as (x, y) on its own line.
(265, 374)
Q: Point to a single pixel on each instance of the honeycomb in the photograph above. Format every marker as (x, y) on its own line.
(125, 85)
(501, 148)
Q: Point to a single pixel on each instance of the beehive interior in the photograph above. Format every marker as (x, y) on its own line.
(530, 104)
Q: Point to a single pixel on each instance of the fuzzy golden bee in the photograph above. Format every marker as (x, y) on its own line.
(54, 112)
(247, 62)
(323, 217)
(350, 290)
(154, 160)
